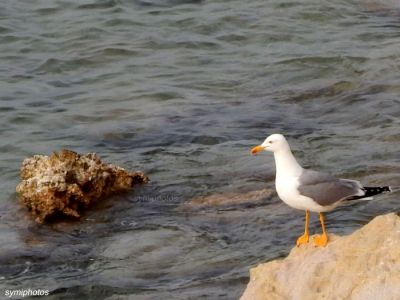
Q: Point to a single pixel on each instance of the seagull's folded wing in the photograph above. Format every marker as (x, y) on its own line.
(325, 189)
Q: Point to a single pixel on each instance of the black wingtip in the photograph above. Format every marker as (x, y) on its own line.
(372, 191)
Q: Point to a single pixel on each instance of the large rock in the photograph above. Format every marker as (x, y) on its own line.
(66, 183)
(364, 265)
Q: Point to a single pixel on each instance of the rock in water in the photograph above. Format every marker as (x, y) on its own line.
(66, 183)
(364, 265)
(253, 197)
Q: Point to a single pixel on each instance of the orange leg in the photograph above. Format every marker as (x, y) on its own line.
(321, 240)
(304, 238)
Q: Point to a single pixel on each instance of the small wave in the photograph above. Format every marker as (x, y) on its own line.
(48, 10)
(54, 65)
(117, 52)
(167, 3)
(4, 29)
(122, 22)
(98, 5)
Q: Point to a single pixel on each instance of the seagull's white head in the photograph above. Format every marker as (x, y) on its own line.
(273, 143)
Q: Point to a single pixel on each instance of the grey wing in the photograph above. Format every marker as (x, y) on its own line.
(325, 189)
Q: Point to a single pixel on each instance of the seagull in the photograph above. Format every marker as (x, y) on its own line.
(311, 190)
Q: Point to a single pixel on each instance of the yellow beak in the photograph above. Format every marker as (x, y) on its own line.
(257, 149)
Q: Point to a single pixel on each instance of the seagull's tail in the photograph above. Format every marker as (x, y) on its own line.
(376, 190)
(370, 191)
(394, 189)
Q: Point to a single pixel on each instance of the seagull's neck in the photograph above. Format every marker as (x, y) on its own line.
(286, 164)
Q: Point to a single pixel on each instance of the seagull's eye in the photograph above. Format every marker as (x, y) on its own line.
(270, 142)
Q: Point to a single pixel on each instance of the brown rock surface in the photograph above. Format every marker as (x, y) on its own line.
(66, 183)
(362, 266)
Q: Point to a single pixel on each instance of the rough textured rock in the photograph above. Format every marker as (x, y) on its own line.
(364, 265)
(66, 183)
(225, 199)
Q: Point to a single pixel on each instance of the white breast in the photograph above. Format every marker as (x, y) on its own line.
(288, 171)
(286, 188)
